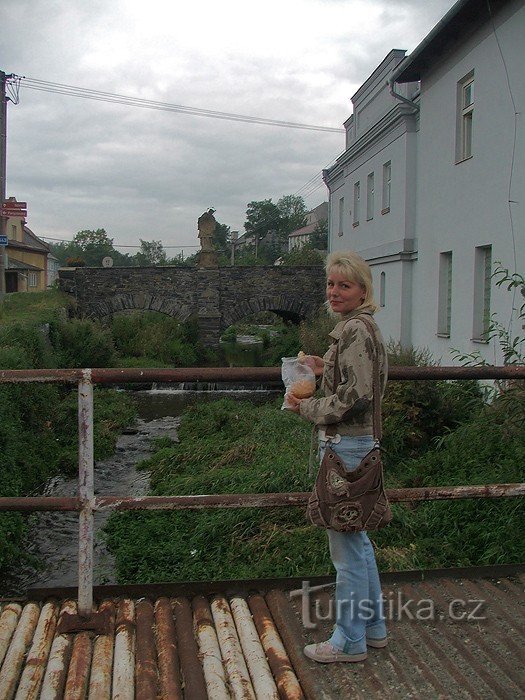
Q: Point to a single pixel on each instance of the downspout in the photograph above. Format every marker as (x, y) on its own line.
(391, 82)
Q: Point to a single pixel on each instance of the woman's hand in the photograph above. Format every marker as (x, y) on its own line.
(315, 362)
(292, 403)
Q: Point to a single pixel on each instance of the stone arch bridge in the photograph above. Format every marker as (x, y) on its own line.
(216, 297)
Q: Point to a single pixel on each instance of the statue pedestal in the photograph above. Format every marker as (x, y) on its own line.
(208, 259)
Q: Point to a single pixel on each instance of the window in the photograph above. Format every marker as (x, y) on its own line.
(465, 99)
(444, 294)
(382, 290)
(357, 201)
(13, 231)
(32, 279)
(341, 216)
(370, 197)
(482, 283)
(387, 178)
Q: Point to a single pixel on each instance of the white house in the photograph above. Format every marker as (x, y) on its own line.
(430, 187)
(301, 236)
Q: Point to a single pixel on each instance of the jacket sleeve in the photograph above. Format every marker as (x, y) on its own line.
(354, 393)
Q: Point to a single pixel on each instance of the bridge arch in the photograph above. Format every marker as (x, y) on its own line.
(139, 301)
(283, 305)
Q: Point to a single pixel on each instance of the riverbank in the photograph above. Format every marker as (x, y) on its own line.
(232, 447)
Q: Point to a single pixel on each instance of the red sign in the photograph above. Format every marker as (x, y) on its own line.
(11, 213)
(14, 205)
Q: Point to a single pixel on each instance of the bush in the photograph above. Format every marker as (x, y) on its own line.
(157, 337)
(82, 343)
(30, 341)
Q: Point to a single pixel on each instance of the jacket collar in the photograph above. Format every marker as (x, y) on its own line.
(338, 330)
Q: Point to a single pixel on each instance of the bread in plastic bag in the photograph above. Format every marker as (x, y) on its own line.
(298, 379)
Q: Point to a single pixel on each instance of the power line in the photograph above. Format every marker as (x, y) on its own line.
(98, 95)
(114, 245)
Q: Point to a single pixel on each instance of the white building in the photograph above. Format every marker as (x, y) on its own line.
(430, 187)
(301, 236)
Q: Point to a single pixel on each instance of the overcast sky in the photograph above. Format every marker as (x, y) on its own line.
(142, 173)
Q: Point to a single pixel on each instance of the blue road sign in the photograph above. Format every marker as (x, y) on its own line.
(3, 240)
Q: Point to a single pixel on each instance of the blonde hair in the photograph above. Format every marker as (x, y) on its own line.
(354, 269)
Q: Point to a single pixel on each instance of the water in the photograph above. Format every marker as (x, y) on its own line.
(53, 540)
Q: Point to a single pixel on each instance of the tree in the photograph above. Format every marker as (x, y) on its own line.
(93, 246)
(319, 237)
(151, 253)
(262, 217)
(293, 212)
(306, 255)
(221, 238)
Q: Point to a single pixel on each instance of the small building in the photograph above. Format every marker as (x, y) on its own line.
(430, 186)
(26, 268)
(301, 236)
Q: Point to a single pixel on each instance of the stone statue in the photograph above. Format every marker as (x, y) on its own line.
(206, 224)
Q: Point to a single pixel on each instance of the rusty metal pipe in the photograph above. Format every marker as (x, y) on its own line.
(39, 503)
(299, 498)
(146, 672)
(243, 374)
(252, 500)
(168, 656)
(86, 492)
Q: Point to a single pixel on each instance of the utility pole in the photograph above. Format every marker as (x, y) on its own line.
(3, 170)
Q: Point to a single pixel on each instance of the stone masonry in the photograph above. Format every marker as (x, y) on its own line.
(216, 297)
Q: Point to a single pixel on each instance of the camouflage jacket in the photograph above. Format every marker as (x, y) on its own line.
(350, 406)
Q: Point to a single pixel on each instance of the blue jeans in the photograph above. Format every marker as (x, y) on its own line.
(358, 599)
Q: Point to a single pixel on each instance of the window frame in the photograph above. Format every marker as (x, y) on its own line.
(387, 187)
(482, 293)
(444, 318)
(357, 203)
(465, 119)
(370, 195)
(341, 216)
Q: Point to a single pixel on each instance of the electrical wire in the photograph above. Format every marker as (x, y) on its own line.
(510, 202)
(101, 96)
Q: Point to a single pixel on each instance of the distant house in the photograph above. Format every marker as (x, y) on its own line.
(430, 186)
(301, 236)
(27, 255)
(53, 265)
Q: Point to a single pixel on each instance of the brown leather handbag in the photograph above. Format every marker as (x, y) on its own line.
(352, 501)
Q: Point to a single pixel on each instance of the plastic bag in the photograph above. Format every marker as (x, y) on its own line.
(298, 379)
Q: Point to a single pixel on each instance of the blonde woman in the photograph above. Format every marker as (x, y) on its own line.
(345, 413)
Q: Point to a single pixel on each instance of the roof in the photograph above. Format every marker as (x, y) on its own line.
(462, 20)
(13, 264)
(245, 639)
(33, 240)
(310, 228)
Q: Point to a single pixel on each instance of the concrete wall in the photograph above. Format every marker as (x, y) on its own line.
(464, 205)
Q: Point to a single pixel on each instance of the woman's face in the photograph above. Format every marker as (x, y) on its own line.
(343, 296)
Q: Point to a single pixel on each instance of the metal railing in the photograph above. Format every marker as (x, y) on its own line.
(86, 503)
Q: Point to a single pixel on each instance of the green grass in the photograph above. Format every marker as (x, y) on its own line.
(34, 307)
(229, 447)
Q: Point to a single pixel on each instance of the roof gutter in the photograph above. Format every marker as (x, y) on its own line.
(391, 82)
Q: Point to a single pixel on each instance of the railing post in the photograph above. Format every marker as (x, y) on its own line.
(86, 494)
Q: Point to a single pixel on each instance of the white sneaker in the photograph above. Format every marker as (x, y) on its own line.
(325, 653)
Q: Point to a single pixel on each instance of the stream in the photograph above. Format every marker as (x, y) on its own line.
(53, 538)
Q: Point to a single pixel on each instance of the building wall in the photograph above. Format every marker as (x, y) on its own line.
(464, 205)
(437, 204)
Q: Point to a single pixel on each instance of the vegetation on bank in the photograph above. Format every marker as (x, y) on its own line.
(231, 447)
(38, 423)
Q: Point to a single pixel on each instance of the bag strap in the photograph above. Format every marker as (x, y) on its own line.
(376, 389)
